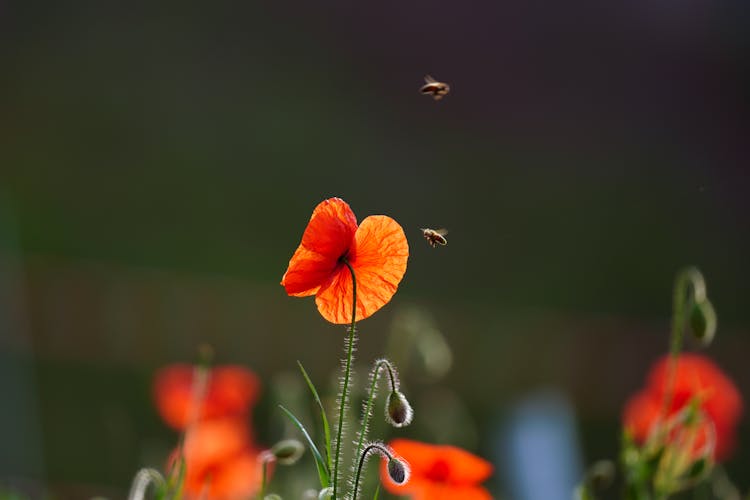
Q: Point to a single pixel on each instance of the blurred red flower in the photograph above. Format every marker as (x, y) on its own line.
(377, 250)
(230, 390)
(695, 376)
(220, 460)
(438, 472)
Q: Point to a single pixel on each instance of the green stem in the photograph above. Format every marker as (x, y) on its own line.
(264, 473)
(688, 279)
(375, 446)
(347, 376)
(143, 479)
(371, 397)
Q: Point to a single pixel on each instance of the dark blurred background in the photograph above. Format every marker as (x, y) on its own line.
(158, 164)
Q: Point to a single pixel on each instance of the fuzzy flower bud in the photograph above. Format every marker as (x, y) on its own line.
(398, 411)
(288, 451)
(703, 321)
(398, 471)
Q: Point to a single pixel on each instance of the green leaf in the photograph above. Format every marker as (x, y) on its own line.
(323, 474)
(377, 493)
(326, 427)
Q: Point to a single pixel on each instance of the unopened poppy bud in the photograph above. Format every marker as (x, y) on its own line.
(398, 470)
(325, 493)
(288, 451)
(398, 411)
(703, 321)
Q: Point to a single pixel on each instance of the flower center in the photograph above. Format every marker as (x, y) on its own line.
(438, 471)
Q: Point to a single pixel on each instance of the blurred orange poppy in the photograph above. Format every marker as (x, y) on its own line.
(698, 377)
(438, 472)
(377, 250)
(220, 461)
(230, 390)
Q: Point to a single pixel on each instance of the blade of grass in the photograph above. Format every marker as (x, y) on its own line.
(323, 474)
(326, 427)
(377, 493)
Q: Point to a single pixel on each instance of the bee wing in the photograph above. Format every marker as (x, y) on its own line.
(429, 79)
(441, 231)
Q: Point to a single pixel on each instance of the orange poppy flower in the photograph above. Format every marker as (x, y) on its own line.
(695, 376)
(230, 390)
(220, 461)
(438, 472)
(377, 250)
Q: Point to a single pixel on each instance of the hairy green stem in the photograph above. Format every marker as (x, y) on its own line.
(143, 479)
(374, 446)
(371, 397)
(347, 376)
(264, 474)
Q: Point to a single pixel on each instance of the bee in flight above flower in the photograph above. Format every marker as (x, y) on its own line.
(435, 237)
(437, 89)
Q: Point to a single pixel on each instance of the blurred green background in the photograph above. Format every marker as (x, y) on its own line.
(158, 164)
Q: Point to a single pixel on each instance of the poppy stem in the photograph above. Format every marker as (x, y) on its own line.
(362, 457)
(688, 280)
(266, 457)
(143, 479)
(371, 397)
(347, 376)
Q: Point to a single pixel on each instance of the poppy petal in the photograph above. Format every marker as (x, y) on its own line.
(640, 414)
(307, 270)
(231, 390)
(173, 394)
(465, 467)
(697, 375)
(438, 472)
(214, 441)
(327, 237)
(419, 455)
(237, 479)
(378, 256)
(436, 491)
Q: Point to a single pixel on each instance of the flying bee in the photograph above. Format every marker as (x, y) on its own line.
(437, 89)
(435, 237)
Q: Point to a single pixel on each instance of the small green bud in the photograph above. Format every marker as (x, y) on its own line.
(398, 411)
(703, 321)
(325, 493)
(398, 470)
(288, 451)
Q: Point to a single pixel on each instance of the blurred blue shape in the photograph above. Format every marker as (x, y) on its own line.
(540, 457)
